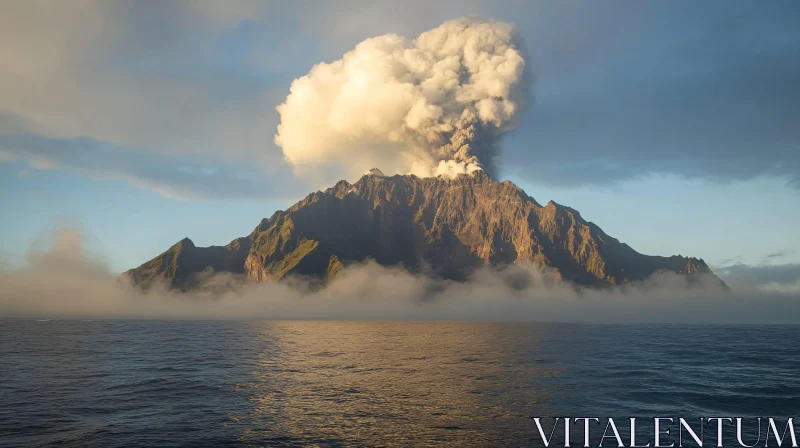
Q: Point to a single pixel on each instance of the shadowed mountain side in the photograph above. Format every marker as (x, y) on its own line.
(181, 263)
(442, 227)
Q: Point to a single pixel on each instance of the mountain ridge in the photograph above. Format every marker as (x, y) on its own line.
(446, 228)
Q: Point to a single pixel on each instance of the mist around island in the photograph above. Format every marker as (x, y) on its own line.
(64, 280)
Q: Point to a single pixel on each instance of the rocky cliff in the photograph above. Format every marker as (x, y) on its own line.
(439, 226)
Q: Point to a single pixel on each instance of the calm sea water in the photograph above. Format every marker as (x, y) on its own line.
(149, 383)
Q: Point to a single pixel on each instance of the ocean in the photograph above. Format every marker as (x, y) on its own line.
(129, 383)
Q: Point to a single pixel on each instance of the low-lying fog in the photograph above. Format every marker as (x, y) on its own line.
(64, 281)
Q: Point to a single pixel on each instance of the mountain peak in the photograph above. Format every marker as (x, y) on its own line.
(184, 243)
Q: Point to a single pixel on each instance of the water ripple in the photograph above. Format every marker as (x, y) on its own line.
(138, 383)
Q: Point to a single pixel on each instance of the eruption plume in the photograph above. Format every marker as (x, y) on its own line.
(436, 105)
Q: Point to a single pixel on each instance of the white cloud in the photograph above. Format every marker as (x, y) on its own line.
(434, 105)
(782, 278)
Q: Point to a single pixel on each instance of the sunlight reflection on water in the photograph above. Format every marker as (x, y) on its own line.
(162, 383)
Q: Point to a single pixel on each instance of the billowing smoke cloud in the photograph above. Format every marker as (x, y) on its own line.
(436, 105)
(65, 281)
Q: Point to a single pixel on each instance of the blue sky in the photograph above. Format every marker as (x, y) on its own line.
(673, 125)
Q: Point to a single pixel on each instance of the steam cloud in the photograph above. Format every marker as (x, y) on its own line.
(436, 105)
(66, 281)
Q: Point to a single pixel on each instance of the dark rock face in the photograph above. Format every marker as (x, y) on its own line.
(442, 227)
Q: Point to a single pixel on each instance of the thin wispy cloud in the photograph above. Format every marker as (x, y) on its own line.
(775, 255)
(176, 177)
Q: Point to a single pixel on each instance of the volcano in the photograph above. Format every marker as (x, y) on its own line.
(442, 227)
